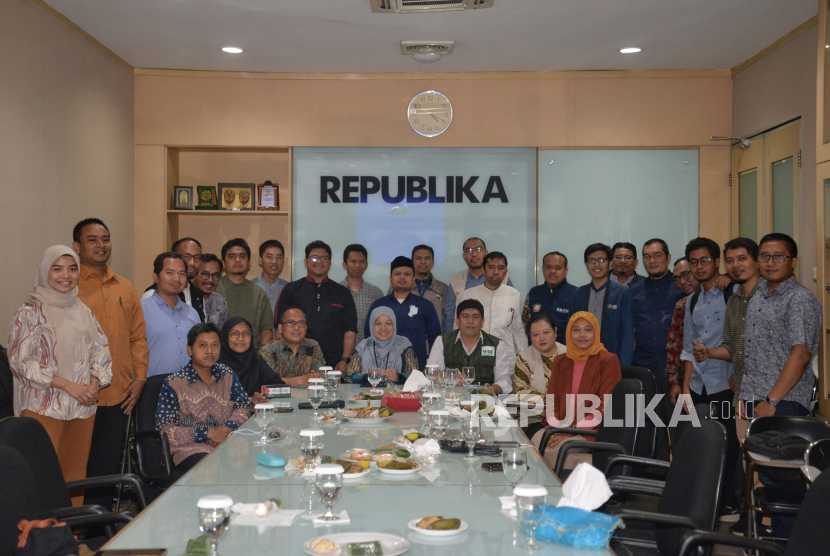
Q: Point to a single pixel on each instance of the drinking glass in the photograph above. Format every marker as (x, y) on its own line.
(469, 376)
(440, 420)
(264, 416)
(430, 400)
(323, 381)
(422, 412)
(431, 372)
(315, 398)
(530, 507)
(311, 446)
(329, 484)
(332, 382)
(471, 431)
(514, 464)
(214, 517)
(375, 376)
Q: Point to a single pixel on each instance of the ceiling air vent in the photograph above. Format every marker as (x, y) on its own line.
(421, 6)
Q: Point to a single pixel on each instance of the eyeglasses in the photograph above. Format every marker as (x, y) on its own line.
(209, 276)
(682, 276)
(187, 257)
(236, 334)
(600, 260)
(623, 258)
(703, 261)
(295, 323)
(319, 259)
(657, 256)
(776, 258)
(471, 250)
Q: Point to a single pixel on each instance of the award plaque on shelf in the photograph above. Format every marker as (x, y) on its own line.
(206, 197)
(183, 197)
(237, 196)
(268, 195)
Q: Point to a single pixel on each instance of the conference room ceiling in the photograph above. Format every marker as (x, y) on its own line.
(339, 36)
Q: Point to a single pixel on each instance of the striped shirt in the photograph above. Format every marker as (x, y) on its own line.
(733, 331)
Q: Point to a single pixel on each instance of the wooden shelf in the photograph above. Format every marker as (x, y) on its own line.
(230, 212)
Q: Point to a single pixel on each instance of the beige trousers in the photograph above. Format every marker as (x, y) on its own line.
(574, 458)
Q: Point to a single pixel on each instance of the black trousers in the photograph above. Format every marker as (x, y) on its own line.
(105, 452)
(720, 404)
(190, 462)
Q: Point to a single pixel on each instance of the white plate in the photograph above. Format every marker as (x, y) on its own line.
(437, 541)
(392, 545)
(364, 421)
(355, 476)
(399, 471)
(347, 457)
(434, 533)
(362, 403)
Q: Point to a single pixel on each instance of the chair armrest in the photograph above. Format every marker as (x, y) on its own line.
(636, 485)
(628, 514)
(550, 431)
(113, 480)
(72, 511)
(694, 539)
(634, 461)
(167, 461)
(585, 445)
(99, 520)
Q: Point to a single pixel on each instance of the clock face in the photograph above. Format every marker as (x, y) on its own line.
(429, 113)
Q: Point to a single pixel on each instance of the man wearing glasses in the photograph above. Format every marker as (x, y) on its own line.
(245, 299)
(473, 253)
(624, 264)
(294, 358)
(687, 284)
(329, 307)
(216, 307)
(191, 252)
(609, 302)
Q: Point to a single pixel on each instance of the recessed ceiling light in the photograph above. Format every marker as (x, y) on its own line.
(232, 49)
(426, 58)
(630, 50)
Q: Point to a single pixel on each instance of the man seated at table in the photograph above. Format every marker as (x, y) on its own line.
(460, 348)
(196, 399)
(294, 357)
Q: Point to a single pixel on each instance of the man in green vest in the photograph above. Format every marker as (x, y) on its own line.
(468, 346)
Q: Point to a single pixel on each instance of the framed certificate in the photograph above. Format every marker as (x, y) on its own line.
(236, 196)
(183, 197)
(268, 195)
(205, 197)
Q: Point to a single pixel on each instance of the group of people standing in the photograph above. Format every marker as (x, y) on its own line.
(208, 339)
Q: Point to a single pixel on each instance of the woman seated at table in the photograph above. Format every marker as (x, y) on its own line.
(200, 405)
(238, 353)
(533, 367)
(586, 368)
(384, 350)
(293, 357)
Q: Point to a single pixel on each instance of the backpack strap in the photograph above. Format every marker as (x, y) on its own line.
(693, 302)
(727, 293)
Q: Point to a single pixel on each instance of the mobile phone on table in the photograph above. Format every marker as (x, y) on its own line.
(503, 443)
(492, 466)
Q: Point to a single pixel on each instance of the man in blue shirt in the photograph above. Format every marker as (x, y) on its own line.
(168, 318)
(710, 382)
(554, 296)
(609, 302)
(473, 253)
(415, 315)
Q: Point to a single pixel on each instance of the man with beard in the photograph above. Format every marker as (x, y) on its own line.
(191, 253)
(216, 306)
(473, 254)
(553, 297)
(624, 264)
(687, 284)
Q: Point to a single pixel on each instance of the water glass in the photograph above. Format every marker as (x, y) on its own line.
(329, 484)
(471, 431)
(375, 377)
(312, 445)
(431, 372)
(264, 415)
(332, 382)
(315, 398)
(469, 375)
(440, 420)
(514, 464)
(214, 517)
(323, 380)
(530, 507)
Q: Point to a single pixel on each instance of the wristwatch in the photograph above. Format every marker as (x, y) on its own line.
(772, 403)
(346, 359)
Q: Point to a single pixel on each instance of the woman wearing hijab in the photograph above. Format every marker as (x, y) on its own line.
(239, 354)
(586, 368)
(533, 366)
(384, 350)
(60, 358)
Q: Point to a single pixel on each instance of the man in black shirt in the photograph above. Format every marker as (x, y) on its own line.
(329, 307)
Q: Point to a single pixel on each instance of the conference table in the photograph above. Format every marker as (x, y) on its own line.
(450, 487)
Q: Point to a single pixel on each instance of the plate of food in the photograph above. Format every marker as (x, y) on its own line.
(353, 470)
(406, 441)
(366, 415)
(438, 526)
(349, 544)
(356, 455)
(398, 466)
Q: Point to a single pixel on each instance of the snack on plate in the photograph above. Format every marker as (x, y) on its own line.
(398, 463)
(351, 468)
(360, 454)
(364, 549)
(324, 546)
(409, 438)
(329, 415)
(300, 463)
(398, 393)
(367, 412)
(327, 459)
(439, 523)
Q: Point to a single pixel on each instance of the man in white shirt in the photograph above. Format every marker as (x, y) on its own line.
(502, 305)
(468, 346)
(191, 251)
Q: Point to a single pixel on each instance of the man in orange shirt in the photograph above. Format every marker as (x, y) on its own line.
(115, 303)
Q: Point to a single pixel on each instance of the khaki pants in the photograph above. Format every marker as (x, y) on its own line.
(71, 440)
(574, 458)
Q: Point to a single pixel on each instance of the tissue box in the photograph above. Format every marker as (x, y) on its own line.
(400, 404)
(575, 527)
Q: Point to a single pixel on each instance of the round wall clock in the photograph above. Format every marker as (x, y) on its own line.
(429, 113)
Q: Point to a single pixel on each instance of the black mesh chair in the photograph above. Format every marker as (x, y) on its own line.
(152, 449)
(16, 503)
(50, 493)
(6, 386)
(786, 498)
(609, 439)
(810, 535)
(816, 459)
(647, 435)
(688, 499)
